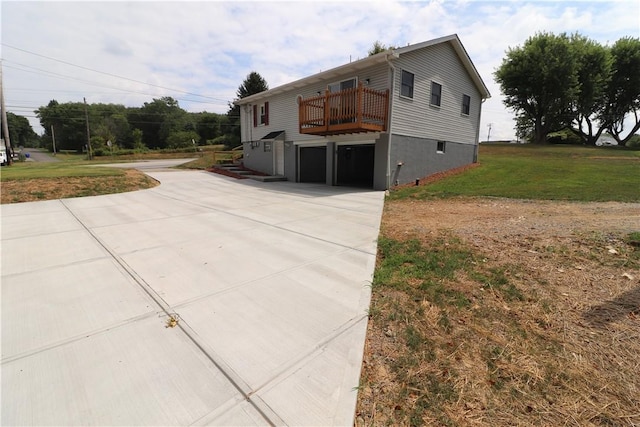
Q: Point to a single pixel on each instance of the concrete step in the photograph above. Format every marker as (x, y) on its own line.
(269, 178)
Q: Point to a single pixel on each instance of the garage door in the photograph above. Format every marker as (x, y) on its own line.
(313, 164)
(355, 165)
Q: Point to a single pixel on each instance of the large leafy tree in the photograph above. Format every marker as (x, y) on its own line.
(622, 99)
(594, 75)
(252, 84)
(539, 81)
(21, 132)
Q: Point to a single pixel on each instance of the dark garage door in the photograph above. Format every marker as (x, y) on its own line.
(313, 164)
(355, 165)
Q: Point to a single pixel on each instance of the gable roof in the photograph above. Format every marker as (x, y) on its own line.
(369, 61)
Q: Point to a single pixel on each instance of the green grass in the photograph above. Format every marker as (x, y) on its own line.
(39, 170)
(543, 172)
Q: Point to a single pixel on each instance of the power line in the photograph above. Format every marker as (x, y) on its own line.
(110, 74)
(64, 77)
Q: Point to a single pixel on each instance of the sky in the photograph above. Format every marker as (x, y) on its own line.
(199, 52)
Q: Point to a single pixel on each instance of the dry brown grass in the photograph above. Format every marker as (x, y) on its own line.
(549, 334)
(29, 190)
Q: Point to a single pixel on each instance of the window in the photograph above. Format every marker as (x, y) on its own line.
(407, 84)
(441, 147)
(466, 104)
(436, 93)
(261, 114)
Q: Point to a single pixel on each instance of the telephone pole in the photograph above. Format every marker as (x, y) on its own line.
(86, 117)
(5, 125)
(489, 133)
(53, 139)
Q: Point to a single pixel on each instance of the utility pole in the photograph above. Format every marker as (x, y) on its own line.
(53, 138)
(489, 134)
(86, 117)
(5, 125)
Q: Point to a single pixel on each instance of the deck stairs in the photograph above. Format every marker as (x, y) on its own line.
(237, 170)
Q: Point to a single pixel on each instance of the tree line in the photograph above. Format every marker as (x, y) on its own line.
(159, 124)
(569, 82)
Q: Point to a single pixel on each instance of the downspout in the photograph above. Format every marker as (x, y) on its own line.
(477, 145)
(391, 103)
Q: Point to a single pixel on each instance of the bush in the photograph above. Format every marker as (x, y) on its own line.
(227, 140)
(564, 137)
(634, 142)
(182, 139)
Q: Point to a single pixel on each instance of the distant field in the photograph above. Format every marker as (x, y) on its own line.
(543, 172)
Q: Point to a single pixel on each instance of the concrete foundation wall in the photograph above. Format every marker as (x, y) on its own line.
(257, 159)
(290, 161)
(380, 178)
(413, 158)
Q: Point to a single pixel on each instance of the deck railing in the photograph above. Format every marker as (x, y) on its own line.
(354, 110)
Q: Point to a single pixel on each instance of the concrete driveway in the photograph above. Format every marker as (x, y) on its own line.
(268, 284)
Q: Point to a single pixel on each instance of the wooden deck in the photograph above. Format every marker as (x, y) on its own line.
(352, 110)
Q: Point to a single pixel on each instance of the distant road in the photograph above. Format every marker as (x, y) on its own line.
(39, 155)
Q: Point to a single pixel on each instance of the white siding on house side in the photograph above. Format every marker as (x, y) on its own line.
(416, 117)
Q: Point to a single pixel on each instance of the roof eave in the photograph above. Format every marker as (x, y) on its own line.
(373, 60)
(358, 65)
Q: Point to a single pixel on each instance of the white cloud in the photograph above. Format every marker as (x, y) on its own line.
(209, 47)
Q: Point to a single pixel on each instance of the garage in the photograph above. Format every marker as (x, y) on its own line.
(313, 164)
(355, 165)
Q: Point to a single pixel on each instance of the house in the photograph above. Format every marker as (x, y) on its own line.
(381, 121)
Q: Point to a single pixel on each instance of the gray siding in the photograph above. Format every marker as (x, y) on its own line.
(257, 159)
(416, 117)
(413, 158)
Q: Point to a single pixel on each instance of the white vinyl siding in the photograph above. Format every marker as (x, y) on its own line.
(440, 64)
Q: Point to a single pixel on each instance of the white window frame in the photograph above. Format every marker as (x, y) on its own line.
(441, 147)
(262, 115)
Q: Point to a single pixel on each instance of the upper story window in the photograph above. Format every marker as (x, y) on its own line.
(466, 104)
(436, 93)
(406, 88)
(261, 114)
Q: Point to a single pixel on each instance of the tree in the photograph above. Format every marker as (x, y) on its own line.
(378, 47)
(157, 120)
(207, 126)
(594, 74)
(68, 121)
(252, 84)
(539, 81)
(623, 92)
(21, 132)
(182, 139)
